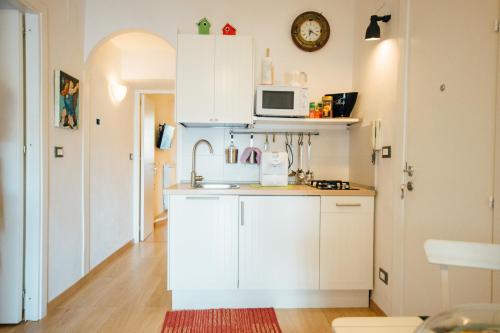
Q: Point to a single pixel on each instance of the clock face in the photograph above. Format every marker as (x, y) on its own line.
(310, 31)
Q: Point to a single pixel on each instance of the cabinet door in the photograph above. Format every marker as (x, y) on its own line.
(234, 85)
(279, 242)
(195, 78)
(203, 242)
(346, 250)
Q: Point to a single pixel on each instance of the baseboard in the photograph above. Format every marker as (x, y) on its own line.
(206, 299)
(377, 309)
(61, 298)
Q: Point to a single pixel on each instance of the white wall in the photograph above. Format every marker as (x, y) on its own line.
(329, 154)
(376, 77)
(145, 57)
(269, 22)
(65, 45)
(329, 70)
(111, 142)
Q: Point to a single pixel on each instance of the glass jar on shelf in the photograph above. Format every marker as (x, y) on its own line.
(319, 110)
(327, 106)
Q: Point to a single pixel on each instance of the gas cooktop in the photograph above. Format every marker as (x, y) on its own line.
(331, 185)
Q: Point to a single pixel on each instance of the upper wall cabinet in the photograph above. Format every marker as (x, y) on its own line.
(215, 80)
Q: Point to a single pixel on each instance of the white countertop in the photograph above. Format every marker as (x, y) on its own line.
(256, 189)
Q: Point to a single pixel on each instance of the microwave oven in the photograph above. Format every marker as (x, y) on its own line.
(281, 101)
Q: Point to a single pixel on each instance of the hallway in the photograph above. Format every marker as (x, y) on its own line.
(127, 294)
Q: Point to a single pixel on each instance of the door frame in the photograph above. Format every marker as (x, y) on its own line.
(37, 118)
(137, 168)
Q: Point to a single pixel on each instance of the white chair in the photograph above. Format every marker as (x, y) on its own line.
(441, 252)
(376, 324)
(462, 254)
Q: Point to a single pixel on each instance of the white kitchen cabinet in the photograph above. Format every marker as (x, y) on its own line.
(203, 242)
(234, 86)
(346, 249)
(215, 79)
(195, 78)
(279, 242)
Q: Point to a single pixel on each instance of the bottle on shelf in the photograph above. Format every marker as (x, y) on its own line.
(312, 110)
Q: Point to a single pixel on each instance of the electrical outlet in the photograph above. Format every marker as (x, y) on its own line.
(383, 276)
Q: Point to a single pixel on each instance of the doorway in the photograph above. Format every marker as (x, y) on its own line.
(22, 181)
(157, 157)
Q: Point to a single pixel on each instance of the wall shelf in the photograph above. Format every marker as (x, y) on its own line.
(324, 123)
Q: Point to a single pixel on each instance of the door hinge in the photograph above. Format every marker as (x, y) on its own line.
(23, 311)
(492, 202)
(24, 149)
(496, 27)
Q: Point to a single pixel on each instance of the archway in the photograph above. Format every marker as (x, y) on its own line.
(122, 64)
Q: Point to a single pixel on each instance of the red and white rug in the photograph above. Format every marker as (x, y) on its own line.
(222, 321)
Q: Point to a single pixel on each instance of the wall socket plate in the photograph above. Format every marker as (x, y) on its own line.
(383, 276)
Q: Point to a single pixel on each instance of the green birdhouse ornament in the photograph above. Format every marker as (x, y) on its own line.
(204, 26)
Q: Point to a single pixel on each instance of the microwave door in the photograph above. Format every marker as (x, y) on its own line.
(278, 103)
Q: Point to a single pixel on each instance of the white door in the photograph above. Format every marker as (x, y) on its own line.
(203, 242)
(234, 86)
(195, 78)
(11, 167)
(279, 242)
(147, 166)
(450, 135)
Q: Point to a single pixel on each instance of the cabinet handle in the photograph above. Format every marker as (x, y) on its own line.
(242, 213)
(348, 204)
(202, 198)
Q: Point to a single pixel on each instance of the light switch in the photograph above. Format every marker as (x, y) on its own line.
(58, 152)
(386, 152)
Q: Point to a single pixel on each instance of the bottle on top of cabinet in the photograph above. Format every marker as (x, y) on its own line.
(267, 69)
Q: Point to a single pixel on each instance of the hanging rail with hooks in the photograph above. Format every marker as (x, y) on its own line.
(271, 132)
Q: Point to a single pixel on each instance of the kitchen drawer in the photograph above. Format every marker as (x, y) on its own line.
(346, 204)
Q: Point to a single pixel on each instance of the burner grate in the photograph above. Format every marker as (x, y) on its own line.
(331, 185)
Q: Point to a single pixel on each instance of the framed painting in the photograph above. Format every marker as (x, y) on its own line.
(67, 101)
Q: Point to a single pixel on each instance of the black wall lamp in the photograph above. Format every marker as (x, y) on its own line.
(373, 30)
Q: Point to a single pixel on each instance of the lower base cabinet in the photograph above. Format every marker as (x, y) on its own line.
(346, 248)
(268, 243)
(203, 242)
(279, 242)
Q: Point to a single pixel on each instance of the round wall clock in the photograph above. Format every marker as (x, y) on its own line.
(310, 31)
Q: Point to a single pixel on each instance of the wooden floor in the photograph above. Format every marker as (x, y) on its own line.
(128, 295)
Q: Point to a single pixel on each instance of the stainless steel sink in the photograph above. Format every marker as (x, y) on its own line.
(218, 186)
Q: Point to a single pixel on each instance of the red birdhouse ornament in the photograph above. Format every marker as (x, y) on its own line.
(228, 29)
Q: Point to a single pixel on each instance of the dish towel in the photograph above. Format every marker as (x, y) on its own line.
(246, 154)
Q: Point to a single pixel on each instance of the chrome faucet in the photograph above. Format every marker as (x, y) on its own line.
(194, 178)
